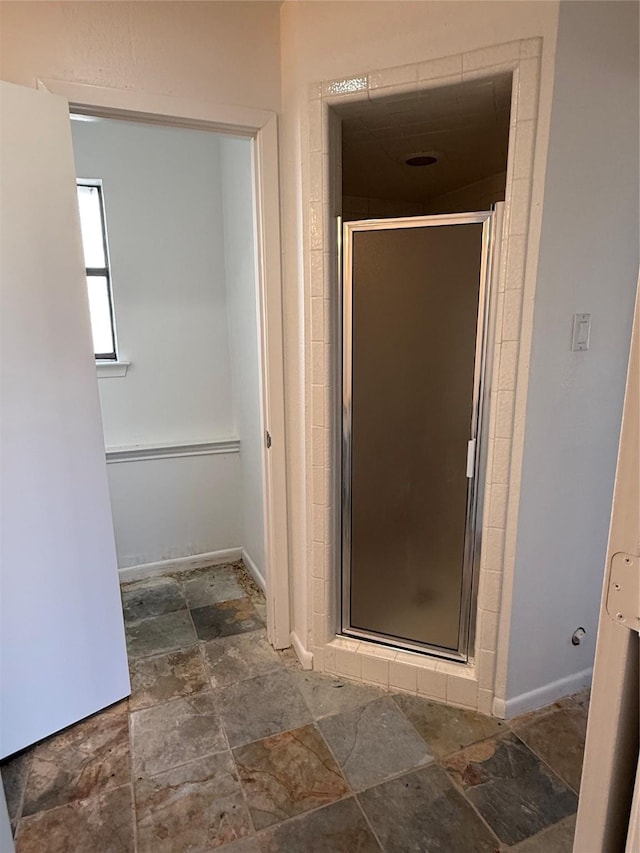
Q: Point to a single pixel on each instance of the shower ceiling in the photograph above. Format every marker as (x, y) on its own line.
(466, 126)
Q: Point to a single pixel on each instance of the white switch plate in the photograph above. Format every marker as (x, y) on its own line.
(581, 332)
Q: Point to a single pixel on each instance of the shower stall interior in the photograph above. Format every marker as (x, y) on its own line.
(415, 314)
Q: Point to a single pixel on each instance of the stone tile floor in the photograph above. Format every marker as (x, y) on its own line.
(227, 744)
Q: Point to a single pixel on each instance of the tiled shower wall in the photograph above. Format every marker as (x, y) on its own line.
(477, 683)
(477, 196)
(357, 207)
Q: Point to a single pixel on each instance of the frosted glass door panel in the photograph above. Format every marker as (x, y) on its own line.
(415, 298)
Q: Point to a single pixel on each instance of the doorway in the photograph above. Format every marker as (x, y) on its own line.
(258, 128)
(423, 181)
(181, 392)
(178, 215)
(92, 674)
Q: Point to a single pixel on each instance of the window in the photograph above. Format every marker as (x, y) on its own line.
(96, 259)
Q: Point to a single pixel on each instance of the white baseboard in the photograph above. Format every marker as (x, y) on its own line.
(179, 564)
(542, 696)
(254, 571)
(305, 657)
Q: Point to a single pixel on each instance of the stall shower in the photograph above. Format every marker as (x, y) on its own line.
(418, 263)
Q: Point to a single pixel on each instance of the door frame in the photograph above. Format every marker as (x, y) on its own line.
(262, 127)
(490, 221)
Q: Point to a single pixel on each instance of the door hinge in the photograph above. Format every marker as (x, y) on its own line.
(471, 458)
(623, 593)
(267, 438)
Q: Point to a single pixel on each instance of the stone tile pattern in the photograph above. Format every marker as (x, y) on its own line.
(227, 744)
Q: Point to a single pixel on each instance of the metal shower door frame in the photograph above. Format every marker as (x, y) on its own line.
(491, 224)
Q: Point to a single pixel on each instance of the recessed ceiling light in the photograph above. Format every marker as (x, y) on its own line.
(421, 159)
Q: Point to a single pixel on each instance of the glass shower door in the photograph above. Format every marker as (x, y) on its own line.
(414, 296)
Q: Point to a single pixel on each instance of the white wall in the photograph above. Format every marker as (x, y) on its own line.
(240, 264)
(162, 190)
(164, 509)
(588, 263)
(163, 199)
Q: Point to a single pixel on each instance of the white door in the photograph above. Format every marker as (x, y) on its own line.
(62, 645)
(609, 809)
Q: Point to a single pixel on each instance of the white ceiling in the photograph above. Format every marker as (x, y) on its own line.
(466, 124)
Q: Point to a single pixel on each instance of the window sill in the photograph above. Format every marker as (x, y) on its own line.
(108, 369)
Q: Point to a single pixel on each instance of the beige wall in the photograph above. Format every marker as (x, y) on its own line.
(324, 41)
(227, 53)
(351, 37)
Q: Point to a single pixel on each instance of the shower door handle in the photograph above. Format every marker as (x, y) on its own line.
(471, 457)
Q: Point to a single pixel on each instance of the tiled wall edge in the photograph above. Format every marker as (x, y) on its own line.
(441, 71)
(406, 672)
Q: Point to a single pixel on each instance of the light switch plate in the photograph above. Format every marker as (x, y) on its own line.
(581, 332)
